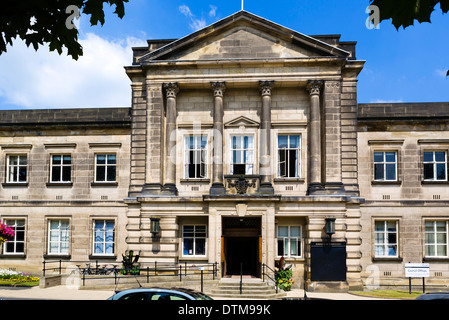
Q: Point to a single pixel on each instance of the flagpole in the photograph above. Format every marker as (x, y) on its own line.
(242, 5)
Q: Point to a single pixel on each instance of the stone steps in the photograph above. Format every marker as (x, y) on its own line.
(251, 289)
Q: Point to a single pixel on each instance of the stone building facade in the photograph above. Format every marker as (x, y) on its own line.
(245, 142)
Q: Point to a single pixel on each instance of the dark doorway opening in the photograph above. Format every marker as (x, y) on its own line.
(241, 246)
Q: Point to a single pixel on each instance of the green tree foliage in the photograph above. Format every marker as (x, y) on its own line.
(403, 13)
(49, 21)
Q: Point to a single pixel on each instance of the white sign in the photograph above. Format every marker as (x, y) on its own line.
(417, 270)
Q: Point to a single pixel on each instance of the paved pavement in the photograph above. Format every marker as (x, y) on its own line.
(66, 293)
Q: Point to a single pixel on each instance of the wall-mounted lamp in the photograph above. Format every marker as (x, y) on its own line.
(330, 226)
(154, 225)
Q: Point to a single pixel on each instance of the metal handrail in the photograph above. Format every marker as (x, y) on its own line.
(268, 276)
(146, 270)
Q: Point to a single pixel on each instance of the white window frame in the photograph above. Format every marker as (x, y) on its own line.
(197, 147)
(194, 238)
(106, 165)
(14, 223)
(62, 232)
(104, 231)
(242, 150)
(11, 176)
(435, 242)
(386, 244)
(384, 165)
(286, 150)
(61, 167)
(289, 238)
(434, 165)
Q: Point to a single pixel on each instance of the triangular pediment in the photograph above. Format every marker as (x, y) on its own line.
(242, 121)
(243, 36)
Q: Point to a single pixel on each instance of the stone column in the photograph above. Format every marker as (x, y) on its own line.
(171, 90)
(217, 159)
(315, 183)
(265, 138)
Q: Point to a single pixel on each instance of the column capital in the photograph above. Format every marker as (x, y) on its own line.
(265, 87)
(219, 88)
(171, 89)
(314, 86)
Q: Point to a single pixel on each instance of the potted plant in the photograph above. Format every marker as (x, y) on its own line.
(130, 265)
(6, 233)
(283, 275)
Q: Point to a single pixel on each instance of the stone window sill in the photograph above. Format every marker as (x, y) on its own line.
(59, 184)
(202, 180)
(386, 183)
(104, 184)
(386, 259)
(300, 180)
(435, 182)
(15, 184)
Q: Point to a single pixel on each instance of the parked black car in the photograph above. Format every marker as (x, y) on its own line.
(437, 295)
(148, 294)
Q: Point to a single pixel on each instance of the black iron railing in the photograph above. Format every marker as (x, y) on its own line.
(91, 271)
(269, 274)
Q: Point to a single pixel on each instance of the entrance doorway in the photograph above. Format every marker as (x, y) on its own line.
(241, 246)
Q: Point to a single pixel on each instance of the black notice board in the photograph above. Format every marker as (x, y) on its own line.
(328, 261)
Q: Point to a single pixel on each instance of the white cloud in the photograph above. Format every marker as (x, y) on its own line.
(386, 101)
(195, 23)
(441, 72)
(213, 10)
(44, 79)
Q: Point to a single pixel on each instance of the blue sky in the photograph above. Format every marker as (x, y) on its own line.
(401, 66)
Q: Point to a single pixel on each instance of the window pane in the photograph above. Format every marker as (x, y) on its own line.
(391, 172)
(440, 156)
(111, 173)
(441, 171)
(57, 159)
(379, 250)
(428, 171)
(282, 141)
(294, 141)
(292, 170)
(295, 231)
(392, 250)
(66, 174)
(430, 250)
(379, 238)
(56, 174)
(200, 248)
(379, 225)
(378, 156)
(430, 238)
(22, 160)
(378, 171)
(101, 173)
(188, 246)
(67, 159)
(294, 247)
(441, 250)
(441, 226)
(280, 247)
(428, 156)
(282, 232)
(390, 156)
(112, 159)
(22, 174)
(101, 159)
(236, 142)
(391, 226)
